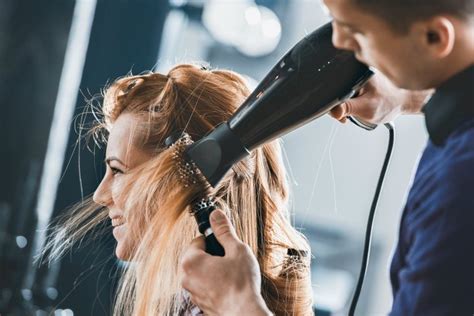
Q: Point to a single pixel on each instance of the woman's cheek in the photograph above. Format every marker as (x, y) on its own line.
(118, 193)
(121, 233)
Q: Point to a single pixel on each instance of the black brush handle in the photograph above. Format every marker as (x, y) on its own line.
(213, 247)
(202, 212)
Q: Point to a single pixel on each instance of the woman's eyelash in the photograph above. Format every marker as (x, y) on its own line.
(115, 170)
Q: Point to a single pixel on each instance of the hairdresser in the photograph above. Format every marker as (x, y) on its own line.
(416, 45)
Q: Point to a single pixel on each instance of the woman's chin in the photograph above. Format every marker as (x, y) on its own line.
(120, 234)
(121, 252)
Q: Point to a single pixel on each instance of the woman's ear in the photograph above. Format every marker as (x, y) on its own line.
(440, 34)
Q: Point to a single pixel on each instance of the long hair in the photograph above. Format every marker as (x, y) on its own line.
(253, 193)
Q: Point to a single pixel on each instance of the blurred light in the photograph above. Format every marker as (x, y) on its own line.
(271, 28)
(226, 20)
(252, 15)
(63, 312)
(262, 38)
(178, 3)
(27, 294)
(68, 312)
(175, 25)
(253, 30)
(21, 241)
(52, 293)
(71, 75)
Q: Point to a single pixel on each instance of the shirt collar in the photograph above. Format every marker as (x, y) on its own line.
(451, 105)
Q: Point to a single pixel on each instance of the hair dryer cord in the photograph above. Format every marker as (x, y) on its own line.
(370, 220)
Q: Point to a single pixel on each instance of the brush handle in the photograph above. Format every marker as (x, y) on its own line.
(213, 247)
(202, 212)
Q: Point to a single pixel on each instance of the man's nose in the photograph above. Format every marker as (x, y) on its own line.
(342, 40)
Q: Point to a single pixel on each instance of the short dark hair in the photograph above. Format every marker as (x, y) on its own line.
(400, 14)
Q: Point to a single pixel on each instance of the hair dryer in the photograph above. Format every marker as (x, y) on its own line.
(311, 79)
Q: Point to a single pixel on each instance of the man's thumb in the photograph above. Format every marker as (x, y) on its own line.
(223, 229)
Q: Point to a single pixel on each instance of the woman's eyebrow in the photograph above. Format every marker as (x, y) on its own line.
(113, 158)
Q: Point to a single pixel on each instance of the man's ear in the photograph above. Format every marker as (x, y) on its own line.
(439, 34)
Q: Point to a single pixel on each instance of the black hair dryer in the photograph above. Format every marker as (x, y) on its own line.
(311, 79)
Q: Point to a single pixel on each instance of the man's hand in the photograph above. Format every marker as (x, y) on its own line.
(380, 101)
(228, 285)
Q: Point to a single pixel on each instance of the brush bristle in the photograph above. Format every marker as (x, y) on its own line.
(189, 173)
(203, 204)
(186, 170)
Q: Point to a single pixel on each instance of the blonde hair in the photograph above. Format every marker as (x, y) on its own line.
(253, 193)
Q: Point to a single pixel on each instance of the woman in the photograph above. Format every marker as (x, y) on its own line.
(149, 206)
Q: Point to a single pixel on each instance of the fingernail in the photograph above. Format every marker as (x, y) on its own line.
(217, 216)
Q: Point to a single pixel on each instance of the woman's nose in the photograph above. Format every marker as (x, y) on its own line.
(102, 194)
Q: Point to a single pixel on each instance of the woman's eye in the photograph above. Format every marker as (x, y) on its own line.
(115, 171)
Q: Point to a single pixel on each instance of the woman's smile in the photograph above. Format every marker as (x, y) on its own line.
(118, 221)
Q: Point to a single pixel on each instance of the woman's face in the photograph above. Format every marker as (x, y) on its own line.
(122, 155)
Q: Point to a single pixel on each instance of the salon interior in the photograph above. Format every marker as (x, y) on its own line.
(55, 55)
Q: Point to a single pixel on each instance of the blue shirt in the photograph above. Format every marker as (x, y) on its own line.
(432, 271)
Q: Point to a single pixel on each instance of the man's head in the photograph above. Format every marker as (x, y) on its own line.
(416, 43)
(400, 14)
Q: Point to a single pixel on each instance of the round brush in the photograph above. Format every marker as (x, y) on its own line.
(203, 204)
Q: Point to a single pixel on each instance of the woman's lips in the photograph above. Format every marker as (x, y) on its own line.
(118, 223)
(119, 232)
